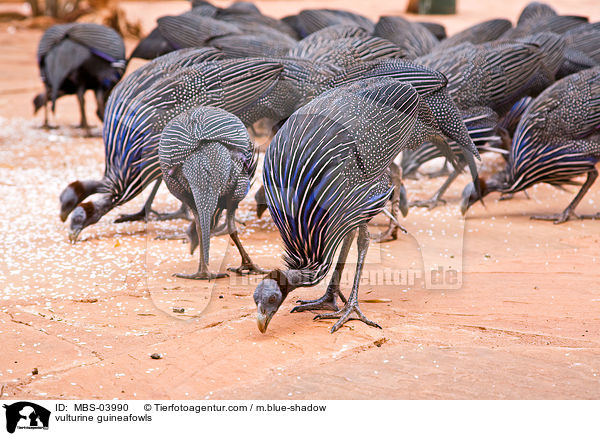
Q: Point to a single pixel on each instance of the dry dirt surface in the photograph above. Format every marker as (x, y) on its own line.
(517, 316)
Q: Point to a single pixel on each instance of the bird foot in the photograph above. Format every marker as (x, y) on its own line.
(594, 216)
(326, 302)
(429, 204)
(201, 276)
(180, 214)
(220, 230)
(138, 216)
(391, 234)
(47, 126)
(172, 238)
(248, 268)
(505, 197)
(558, 218)
(344, 316)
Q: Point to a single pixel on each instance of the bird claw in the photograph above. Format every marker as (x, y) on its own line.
(248, 268)
(201, 276)
(326, 302)
(343, 316)
(429, 204)
(138, 216)
(558, 218)
(391, 234)
(171, 215)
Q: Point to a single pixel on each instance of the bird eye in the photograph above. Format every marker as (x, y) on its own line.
(272, 299)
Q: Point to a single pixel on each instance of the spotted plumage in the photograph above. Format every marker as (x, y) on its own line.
(477, 34)
(325, 176)
(485, 81)
(134, 123)
(414, 38)
(124, 92)
(207, 161)
(346, 52)
(312, 20)
(557, 139)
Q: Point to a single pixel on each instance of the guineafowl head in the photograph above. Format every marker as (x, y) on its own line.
(271, 292)
(87, 214)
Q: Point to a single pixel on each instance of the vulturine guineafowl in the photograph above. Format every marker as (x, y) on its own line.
(430, 84)
(135, 83)
(477, 34)
(325, 176)
(271, 89)
(134, 124)
(312, 20)
(557, 139)
(534, 11)
(235, 40)
(236, 34)
(485, 81)
(414, 38)
(346, 52)
(582, 49)
(207, 161)
(76, 57)
(558, 24)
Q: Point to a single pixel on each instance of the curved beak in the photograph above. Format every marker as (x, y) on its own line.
(73, 235)
(262, 319)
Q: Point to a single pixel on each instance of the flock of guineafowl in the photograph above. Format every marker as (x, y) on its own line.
(354, 105)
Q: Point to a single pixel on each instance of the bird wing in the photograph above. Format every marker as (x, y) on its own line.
(101, 40)
(534, 11)
(479, 33)
(63, 59)
(414, 38)
(189, 30)
(190, 131)
(337, 31)
(325, 170)
(152, 46)
(51, 38)
(312, 20)
(346, 51)
(251, 45)
(555, 131)
(163, 66)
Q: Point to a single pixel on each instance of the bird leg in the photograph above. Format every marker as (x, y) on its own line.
(202, 221)
(247, 265)
(146, 210)
(437, 197)
(328, 301)
(391, 234)
(181, 213)
(46, 123)
(352, 303)
(83, 124)
(569, 212)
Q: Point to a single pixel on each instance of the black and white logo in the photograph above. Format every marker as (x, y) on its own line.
(26, 415)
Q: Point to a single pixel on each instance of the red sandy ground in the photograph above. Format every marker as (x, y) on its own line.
(524, 324)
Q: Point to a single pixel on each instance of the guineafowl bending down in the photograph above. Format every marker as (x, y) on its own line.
(76, 57)
(207, 161)
(325, 176)
(557, 139)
